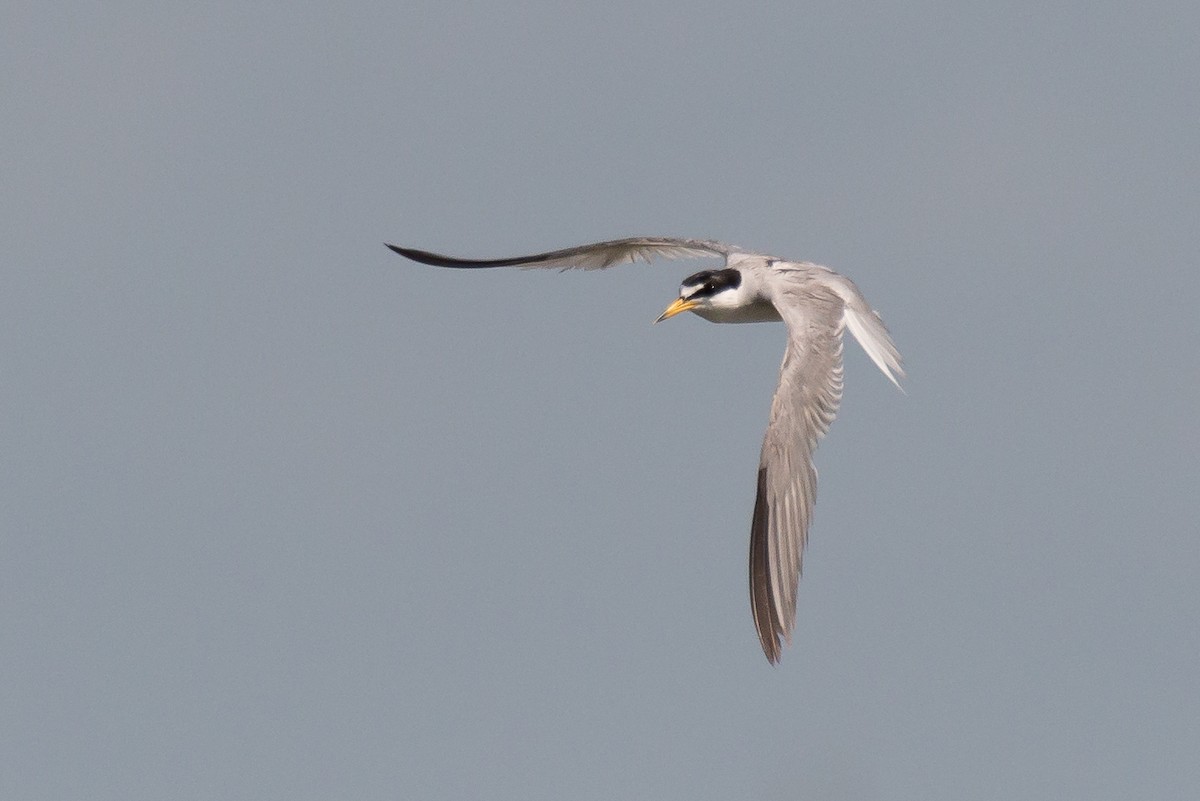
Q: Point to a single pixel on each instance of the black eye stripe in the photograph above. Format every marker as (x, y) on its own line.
(710, 282)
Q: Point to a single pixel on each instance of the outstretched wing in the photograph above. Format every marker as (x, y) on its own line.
(805, 403)
(595, 256)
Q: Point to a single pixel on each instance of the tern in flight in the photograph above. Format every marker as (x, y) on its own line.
(816, 305)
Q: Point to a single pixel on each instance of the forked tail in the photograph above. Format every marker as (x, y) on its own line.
(867, 327)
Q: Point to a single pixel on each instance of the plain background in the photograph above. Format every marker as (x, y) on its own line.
(287, 517)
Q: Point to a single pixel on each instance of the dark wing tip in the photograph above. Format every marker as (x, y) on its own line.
(439, 260)
(423, 256)
(766, 618)
(410, 253)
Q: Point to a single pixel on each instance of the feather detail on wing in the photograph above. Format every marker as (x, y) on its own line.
(595, 256)
(805, 403)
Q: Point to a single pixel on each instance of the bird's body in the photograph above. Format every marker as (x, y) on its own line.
(816, 305)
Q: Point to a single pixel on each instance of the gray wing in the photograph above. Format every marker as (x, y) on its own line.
(805, 403)
(595, 256)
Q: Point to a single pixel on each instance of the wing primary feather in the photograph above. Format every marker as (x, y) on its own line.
(439, 260)
(766, 617)
(595, 256)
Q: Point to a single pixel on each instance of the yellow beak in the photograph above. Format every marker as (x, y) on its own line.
(679, 306)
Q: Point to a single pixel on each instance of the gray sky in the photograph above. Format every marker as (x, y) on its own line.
(286, 517)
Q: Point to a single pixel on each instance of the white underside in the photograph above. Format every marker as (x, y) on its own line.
(760, 312)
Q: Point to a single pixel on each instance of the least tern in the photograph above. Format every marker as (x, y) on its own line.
(816, 304)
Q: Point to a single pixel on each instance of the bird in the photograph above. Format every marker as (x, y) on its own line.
(816, 305)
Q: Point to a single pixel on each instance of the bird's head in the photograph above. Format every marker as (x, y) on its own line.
(708, 289)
